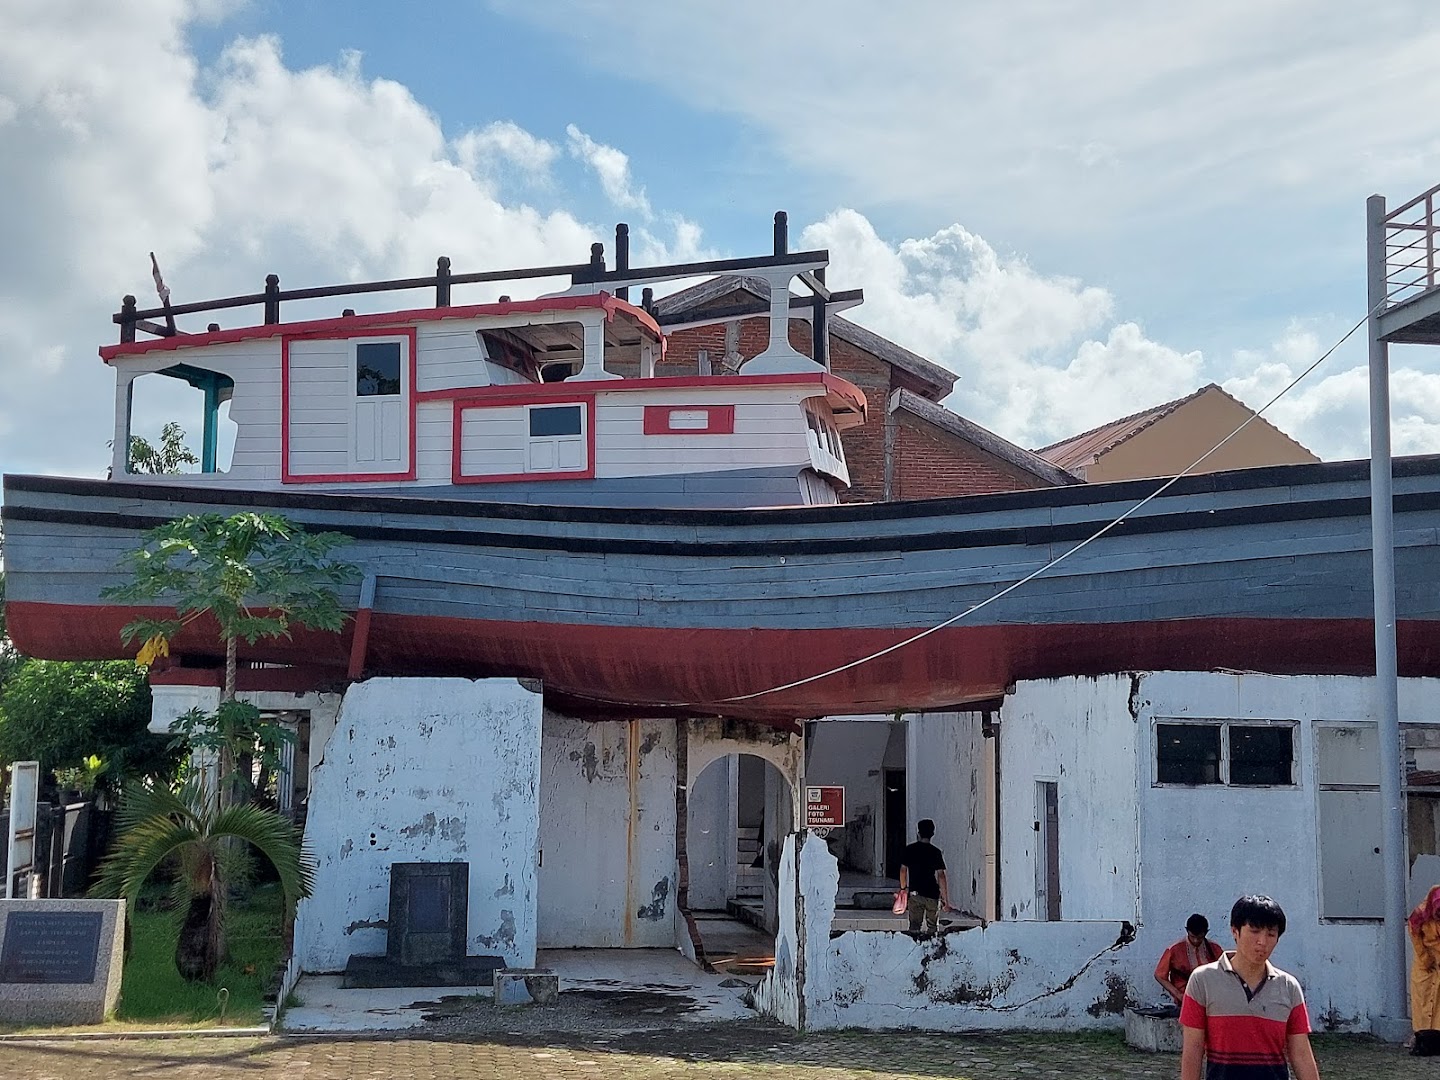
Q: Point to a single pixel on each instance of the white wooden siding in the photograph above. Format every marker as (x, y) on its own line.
(321, 399)
(432, 442)
(767, 432)
(492, 441)
(449, 356)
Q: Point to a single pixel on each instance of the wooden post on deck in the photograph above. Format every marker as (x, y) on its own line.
(127, 319)
(622, 256)
(272, 299)
(442, 281)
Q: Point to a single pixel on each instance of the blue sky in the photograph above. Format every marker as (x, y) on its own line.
(1083, 211)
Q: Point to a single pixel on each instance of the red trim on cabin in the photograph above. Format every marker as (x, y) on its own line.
(286, 476)
(508, 400)
(719, 420)
(833, 384)
(348, 325)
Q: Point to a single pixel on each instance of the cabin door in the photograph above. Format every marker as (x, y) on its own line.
(379, 428)
(1047, 848)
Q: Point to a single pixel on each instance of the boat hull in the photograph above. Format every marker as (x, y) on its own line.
(645, 612)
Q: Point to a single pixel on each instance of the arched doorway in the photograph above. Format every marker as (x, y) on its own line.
(739, 811)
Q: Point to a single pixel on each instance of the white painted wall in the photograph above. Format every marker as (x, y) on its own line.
(607, 833)
(1164, 852)
(1052, 976)
(710, 835)
(946, 782)
(424, 770)
(849, 752)
(1202, 847)
(1077, 732)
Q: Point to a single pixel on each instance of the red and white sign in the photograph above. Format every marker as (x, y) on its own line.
(824, 807)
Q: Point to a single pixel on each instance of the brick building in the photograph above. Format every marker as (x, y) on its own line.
(910, 446)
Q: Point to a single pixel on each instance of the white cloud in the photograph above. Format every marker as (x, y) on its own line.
(115, 143)
(1052, 117)
(505, 142)
(612, 166)
(1020, 340)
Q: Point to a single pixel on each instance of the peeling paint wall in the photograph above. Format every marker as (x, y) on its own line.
(1078, 733)
(607, 833)
(1191, 848)
(1054, 976)
(424, 770)
(946, 781)
(710, 835)
(1260, 839)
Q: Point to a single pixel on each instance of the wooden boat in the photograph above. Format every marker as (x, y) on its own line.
(528, 498)
(691, 612)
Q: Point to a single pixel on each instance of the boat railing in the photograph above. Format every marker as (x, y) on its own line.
(1412, 236)
(587, 276)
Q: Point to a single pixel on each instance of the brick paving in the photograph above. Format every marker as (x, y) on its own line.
(718, 1051)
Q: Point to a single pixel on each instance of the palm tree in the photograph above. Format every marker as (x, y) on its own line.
(155, 823)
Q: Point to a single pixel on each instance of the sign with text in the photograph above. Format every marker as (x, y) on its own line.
(824, 807)
(50, 947)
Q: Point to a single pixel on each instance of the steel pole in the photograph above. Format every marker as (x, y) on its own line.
(1394, 863)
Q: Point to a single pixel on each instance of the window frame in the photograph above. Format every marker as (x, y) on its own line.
(1225, 725)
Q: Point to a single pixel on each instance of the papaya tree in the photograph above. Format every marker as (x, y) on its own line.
(256, 576)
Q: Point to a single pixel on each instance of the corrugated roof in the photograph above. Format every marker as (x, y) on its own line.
(1080, 451)
(942, 380)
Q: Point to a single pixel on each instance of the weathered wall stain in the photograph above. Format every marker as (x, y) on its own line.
(504, 937)
(368, 924)
(656, 908)
(1116, 999)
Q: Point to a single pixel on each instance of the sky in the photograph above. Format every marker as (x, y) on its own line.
(1082, 210)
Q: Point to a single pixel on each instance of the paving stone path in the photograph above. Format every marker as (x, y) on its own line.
(693, 1051)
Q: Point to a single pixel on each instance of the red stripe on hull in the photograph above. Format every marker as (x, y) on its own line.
(604, 670)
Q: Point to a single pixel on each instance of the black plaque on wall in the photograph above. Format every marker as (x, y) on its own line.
(50, 947)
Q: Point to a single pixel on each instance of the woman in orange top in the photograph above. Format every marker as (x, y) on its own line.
(1424, 923)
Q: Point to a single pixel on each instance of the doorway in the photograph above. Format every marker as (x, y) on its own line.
(895, 821)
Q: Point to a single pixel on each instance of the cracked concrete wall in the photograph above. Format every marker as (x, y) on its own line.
(607, 833)
(424, 770)
(1201, 847)
(1078, 733)
(1045, 976)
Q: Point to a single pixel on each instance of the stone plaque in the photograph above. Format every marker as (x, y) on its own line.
(60, 960)
(50, 947)
(429, 910)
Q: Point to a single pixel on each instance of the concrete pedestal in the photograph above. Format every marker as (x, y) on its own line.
(1155, 1030)
(526, 986)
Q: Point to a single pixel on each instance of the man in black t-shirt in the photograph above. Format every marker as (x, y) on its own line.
(922, 875)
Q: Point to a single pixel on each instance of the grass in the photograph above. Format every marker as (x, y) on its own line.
(153, 996)
(153, 993)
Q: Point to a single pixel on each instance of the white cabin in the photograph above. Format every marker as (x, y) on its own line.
(514, 401)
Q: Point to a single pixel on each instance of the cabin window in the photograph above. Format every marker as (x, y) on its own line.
(689, 420)
(377, 369)
(557, 440)
(1228, 753)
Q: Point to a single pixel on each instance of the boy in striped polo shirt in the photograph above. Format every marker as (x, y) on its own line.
(1242, 1014)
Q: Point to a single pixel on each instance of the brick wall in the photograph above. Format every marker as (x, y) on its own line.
(932, 464)
(928, 463)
